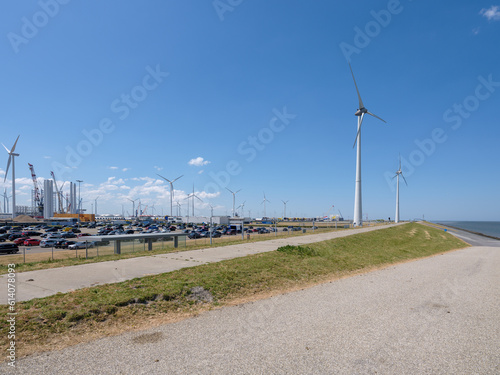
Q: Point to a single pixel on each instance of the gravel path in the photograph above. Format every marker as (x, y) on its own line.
(438, 315)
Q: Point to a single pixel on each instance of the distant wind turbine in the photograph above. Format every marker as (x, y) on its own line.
(234, 196)
(171, 189)
(12, 156)
(242, 206)
(358, 210)
(133, 206)
(6, 201)
(193, 195)
(284, 208)
(264, 202)
(398, 173)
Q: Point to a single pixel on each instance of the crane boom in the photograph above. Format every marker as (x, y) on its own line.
(59, 194)
(35, 183)
(38, 198)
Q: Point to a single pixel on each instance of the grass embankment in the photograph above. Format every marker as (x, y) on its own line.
(41, 261)
(86, 314)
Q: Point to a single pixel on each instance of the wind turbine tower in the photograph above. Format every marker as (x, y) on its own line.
(234, 196)
(264, 202)
(171, 190)
(358, 210)
(12, 156)
(284, 208)
(398, 173)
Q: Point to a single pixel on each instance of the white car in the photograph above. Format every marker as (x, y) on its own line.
(48, 243)
(81, 245)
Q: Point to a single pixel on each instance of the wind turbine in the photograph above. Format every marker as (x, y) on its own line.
(193, 195)
(284, 208)
(398, 172)
(171, 189)
(12, 156)
(242, 206)
(234, 195)
(95, 205)
(358, 210)
(264, 201)
(6, 201)
(133, 206)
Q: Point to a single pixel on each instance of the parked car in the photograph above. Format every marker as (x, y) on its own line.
(194, 235)
(80, 245)
(31, 242)
(68, 235)
(216, 234)
(14, 236)
(48, 243)
(63, 244)
(20, 240)
(9, 248)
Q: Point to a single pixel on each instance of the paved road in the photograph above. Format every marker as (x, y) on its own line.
(471, 238)
(43, 283)
(439, 315)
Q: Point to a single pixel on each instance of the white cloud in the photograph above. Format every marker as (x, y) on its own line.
(47, 157)
(124, 169)
(198, 162)
(157, 168)
(200, 172)
(113, 168)
(475, 31)
(492, 13)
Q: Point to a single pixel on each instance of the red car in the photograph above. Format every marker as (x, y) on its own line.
(84, 234)
(31, 242)
(20, 240)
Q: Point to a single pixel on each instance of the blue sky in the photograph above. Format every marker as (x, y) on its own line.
(258, 96)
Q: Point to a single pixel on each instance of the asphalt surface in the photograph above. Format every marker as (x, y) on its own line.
(43, 283)
(438, 315)
(469, 237)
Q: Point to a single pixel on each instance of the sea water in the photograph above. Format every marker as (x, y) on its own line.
(491, 228)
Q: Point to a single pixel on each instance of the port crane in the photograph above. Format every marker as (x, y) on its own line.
(38, 196)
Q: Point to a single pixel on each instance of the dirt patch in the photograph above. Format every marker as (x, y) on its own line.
(427, 235)
(412, 232)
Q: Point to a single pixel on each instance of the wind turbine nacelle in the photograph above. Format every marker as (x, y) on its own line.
(359, 112)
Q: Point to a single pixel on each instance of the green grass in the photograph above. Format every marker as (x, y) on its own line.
(130, 303)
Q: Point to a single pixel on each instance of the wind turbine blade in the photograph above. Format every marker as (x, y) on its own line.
(395, 176)
(198, 198)
(404, 179)
(230, 191)
(166, 179)
(15, 143)
(237, 191)
(177, 178)
(355, 84)
(7, 169)
(399, 161)
(359, 130)
(376, 117)
(6, 149)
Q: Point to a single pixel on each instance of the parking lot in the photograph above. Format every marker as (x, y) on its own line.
(42, 242)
